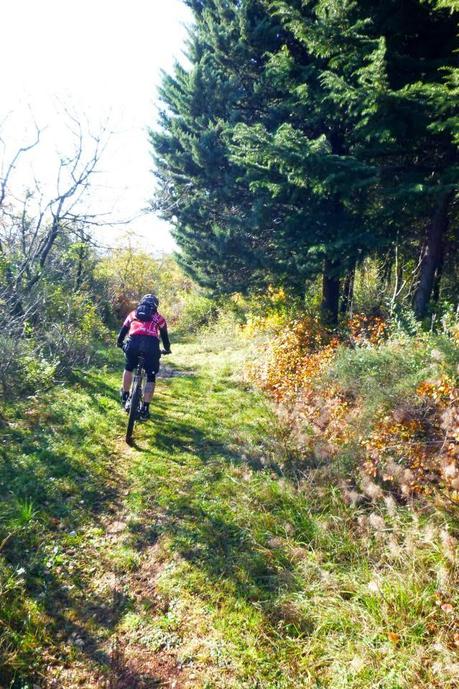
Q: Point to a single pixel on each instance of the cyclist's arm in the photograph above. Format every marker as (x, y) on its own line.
(124, 329)
(122, 334)
(165, 338)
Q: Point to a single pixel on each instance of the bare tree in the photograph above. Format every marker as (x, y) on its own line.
(34, 222)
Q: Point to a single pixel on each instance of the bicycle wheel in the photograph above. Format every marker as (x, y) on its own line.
(135, 399)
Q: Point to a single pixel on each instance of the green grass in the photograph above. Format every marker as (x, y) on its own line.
(387, 375)
(262, 578)
(276, 581)
(56, 480)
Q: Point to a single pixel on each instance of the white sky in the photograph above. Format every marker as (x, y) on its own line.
(99, 58)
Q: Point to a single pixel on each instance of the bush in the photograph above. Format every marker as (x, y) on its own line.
(128, 273)
(197, 311)
(75, 326)
(56, 339)
(376, 394)
(23, 369)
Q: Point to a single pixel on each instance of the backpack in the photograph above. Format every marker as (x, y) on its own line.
(145, 312)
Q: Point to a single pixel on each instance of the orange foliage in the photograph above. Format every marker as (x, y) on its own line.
(366, 329)
(410, 451)
(418, 452)
(296, 356)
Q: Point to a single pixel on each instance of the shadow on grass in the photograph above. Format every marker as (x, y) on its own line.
(176, 435)
(54, 483)
(200, 526)
(58, 481)
(213, 434)
(63, 467)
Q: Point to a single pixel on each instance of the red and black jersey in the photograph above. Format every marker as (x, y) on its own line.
(155, 327)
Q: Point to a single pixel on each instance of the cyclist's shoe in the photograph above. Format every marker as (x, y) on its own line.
(124, 396)
(144, 413)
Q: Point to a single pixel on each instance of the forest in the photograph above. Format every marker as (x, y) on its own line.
(289, 516)
(308, 137)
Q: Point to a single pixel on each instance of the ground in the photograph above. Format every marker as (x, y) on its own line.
(207, 555)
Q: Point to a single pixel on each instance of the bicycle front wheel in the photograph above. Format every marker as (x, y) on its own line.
(135, 399)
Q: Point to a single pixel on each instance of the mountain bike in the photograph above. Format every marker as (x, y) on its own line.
(135, 399)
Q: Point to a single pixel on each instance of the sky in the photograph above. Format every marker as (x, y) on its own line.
(101, 60)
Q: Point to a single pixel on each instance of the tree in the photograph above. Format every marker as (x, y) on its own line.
(306, 136)
(270, 215)
(363, 126)
(224, 233)
(47, 298)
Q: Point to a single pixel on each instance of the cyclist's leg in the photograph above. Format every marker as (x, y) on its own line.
(126, 382)
(149, 387)
(131, 356)
(127, 379)
(152, 368)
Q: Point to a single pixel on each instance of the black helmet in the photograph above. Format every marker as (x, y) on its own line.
(150, 299)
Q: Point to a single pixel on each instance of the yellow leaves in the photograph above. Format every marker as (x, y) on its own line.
(393, 637)
(441, 390)
(301, 350)
(455, 333)
(367, 329)
(415, 439)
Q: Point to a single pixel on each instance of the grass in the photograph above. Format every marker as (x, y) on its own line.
(387, 375)
(276, 581)
(262, 578)
(56, 480)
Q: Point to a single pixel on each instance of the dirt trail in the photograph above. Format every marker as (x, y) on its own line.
(100, 656)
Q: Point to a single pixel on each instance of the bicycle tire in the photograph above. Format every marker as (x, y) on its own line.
(133, 410)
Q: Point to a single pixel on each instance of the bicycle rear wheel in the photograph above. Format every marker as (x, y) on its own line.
(135, 399)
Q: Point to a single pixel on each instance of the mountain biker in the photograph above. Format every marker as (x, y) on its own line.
(145, 327)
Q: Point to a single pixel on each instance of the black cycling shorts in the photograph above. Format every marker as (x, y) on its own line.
(149, 346)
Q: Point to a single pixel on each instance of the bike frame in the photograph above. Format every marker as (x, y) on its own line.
(136, 396)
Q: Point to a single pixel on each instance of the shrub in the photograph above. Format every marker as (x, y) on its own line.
(53, 341)
(197, 311)
(75, 326)
(386, 399)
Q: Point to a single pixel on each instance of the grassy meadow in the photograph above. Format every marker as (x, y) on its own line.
(214, 547)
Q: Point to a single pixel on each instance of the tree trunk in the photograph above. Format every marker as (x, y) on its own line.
(438, 275)
(330, 293)
(385, 271)
(348, 292)
(432, 257)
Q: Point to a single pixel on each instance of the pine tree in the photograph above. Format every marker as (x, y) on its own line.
(201, 191)
(366, 127)
(307, 161)
(306, 136)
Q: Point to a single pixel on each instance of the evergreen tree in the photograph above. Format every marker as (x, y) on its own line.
(215, 217)
(406, 118)
(307, 135)
(363, 129)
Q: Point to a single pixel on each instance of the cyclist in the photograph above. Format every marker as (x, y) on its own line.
(145, 327)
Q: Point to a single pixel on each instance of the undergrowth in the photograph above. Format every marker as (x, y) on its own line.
(272, 569)
(56, 479)
(270, 576)
(371, 392)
